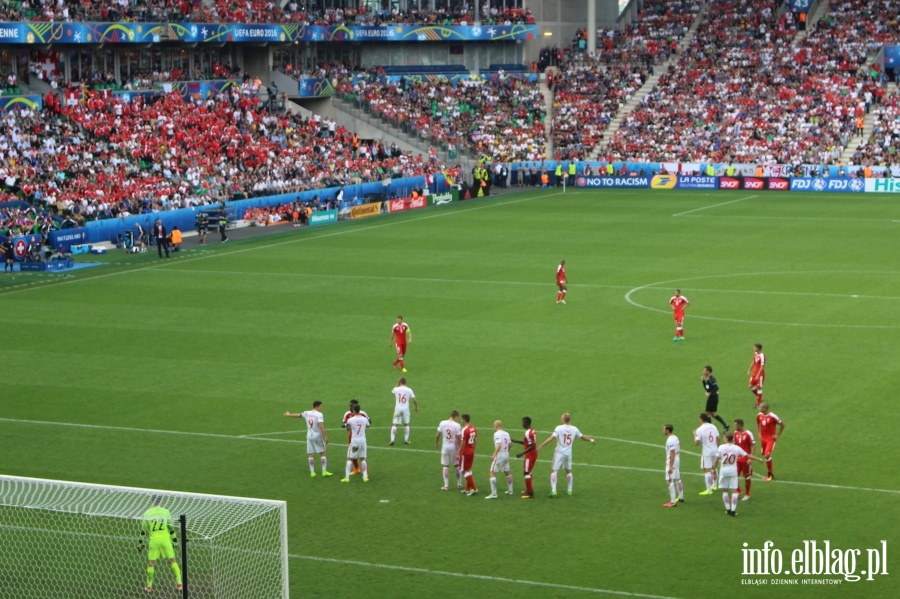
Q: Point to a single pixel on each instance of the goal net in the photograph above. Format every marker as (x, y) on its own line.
(72, 540)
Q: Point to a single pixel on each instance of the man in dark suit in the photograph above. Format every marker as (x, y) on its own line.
(162, 238)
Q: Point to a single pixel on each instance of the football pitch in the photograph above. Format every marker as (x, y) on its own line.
(175, 375)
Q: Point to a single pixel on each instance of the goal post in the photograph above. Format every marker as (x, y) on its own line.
(67, 539)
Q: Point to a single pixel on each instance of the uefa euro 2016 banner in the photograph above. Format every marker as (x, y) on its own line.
(142, 33)
(35, 103)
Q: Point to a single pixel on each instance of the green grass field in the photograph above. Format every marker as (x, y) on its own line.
(175, 374)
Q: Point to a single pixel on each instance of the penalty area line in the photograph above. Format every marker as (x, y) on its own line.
(533, 583)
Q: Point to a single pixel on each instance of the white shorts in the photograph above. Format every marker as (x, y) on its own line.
(449, 456)
(676, 474)
(357, 450)
(561, 462)
(500, 463)
(315, 444)
(707, 461)
(401, 415)
(728, 482)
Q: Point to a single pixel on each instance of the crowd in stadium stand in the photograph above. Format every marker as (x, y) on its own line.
(587, 95)
(104, 158)
(258, 11)
(653, 37)
(500, 118)
(882, 146)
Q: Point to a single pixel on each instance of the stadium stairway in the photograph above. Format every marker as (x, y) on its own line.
(367, 126)
(548, 119)
(819, 10)
(648, 86)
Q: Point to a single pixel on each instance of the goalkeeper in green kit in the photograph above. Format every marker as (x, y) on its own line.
(158, 534)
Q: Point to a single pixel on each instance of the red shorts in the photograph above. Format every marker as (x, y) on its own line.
(745, 468)
(401, 349)
(530, 459)
(767, 445)
(757, 380)
(679, 318)
(465, 461)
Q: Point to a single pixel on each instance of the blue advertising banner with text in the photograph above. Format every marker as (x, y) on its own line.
(822, 184)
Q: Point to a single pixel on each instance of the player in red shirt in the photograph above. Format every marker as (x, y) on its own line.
(679, 303)
(467, 454)
(562, 282)
(757, 372)
(531, 455)
(745, 440)
(766, 423)
(347, 415)
(400, 336)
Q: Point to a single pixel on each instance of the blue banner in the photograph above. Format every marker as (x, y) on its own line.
(39, 33)
(821, 184)
(798, 6)
(63, 239)
(35, 103)
(323, 217)
(891, 57)
(315, 87)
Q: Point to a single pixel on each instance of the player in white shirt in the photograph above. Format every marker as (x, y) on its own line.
(500, 460)
(316, 437)
(357, 425)
(707, 436)
(402, 396)
(565, 434)
(673, 466)
(449, 431)
(728, 455)
(347, 416)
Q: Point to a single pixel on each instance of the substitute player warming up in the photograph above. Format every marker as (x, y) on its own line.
(561, 282)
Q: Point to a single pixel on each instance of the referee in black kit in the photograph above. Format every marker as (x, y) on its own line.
(712, 394)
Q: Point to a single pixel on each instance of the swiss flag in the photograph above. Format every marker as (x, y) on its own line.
(49, 65)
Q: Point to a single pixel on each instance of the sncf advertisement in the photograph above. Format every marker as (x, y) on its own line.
(755, 183)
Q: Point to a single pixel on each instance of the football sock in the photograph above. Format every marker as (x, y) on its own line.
(727, 499)
(734, 501)
(672, 492)
(406, 433)
(769, 464)
(509, 483)
(680, 487)
(312, 464)
(747, 482)
(470, 482)
(401, 363)
(558, 295)
(393, 433)
(355, 464)
(397, 361)
(719, 418)
(528, 484)
(493, 485)
(324, 462)
(365, 468)
(709, 481)
(569, 482)
(563, 294)
(348, 469)
(176, 570)
(446, 477)
(553, 482)
(458, 477)
(150, 572)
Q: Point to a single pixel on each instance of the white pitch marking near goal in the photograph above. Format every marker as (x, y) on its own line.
(410, 450)
(548, 585)
(714, 206)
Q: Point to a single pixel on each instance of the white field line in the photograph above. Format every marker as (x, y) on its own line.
(714, 206)
(546, 585)
(375, 447)
(305, 238)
